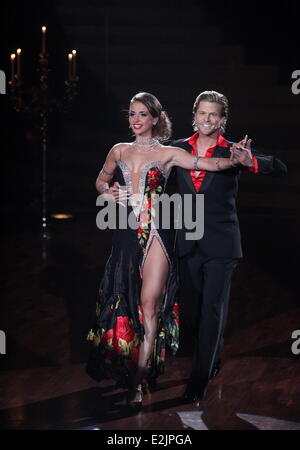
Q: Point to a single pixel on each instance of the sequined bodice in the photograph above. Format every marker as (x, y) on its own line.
(151, 180)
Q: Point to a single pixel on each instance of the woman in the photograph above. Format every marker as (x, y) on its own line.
(137, 313)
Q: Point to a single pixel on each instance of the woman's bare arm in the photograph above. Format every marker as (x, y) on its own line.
(184, 159)
(106, 174)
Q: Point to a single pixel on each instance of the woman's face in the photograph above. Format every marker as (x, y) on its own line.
(140, 119)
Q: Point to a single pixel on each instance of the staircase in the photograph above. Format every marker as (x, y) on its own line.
(174, 52)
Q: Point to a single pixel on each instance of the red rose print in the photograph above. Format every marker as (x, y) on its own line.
(176, 313)
(153, 173)
(153, 184)
(176, 308)
(153, 179)
(144, 217)
(108, 335)
(123, 329)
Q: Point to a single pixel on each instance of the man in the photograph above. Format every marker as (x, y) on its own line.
(206, 265)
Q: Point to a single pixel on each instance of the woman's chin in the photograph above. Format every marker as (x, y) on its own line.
(143, 134)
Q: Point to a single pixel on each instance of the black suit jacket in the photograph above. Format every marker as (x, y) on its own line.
(221, 226)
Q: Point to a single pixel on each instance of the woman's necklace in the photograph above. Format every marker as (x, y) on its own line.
(145, 144)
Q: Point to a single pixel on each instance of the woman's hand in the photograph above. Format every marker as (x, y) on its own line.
(241, 153)
(116, 193)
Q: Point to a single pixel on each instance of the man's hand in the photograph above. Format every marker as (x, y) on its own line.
(241, 153)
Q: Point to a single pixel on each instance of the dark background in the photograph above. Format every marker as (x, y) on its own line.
(102, 32)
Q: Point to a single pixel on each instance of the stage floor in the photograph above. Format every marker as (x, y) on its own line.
(46, 310)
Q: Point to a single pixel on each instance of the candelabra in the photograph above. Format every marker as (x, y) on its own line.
(39, 101)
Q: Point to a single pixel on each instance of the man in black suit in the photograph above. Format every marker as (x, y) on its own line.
(206, 265)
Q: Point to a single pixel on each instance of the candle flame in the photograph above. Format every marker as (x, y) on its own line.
(44, 29)
(70, 56)
(19, 51)
(12, 56)
(74, 52)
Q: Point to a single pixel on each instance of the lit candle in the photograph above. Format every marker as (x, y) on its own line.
(12, 59)
(70, 57)
(19, 62)
(74, 62)
(44, 40)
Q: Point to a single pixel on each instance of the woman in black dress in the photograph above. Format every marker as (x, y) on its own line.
(137, 312)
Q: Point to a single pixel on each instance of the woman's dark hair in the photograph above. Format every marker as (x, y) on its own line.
(163, 128)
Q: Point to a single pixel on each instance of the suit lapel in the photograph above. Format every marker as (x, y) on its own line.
(188, 179)
(186, 172)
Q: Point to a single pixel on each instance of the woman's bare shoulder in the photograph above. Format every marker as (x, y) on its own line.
(171, 148)
(119, 148)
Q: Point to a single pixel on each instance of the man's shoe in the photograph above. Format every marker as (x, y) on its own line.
(194, 392)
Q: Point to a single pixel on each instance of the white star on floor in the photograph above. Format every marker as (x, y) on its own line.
(269, 423)
(192, 419)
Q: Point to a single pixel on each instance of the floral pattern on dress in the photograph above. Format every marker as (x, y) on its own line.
(154, 185)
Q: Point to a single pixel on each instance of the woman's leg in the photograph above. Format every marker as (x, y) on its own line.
(155, 273)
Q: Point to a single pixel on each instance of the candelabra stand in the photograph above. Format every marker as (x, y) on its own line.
(38, 101)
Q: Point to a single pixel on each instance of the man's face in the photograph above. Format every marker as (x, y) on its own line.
(208, 118)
